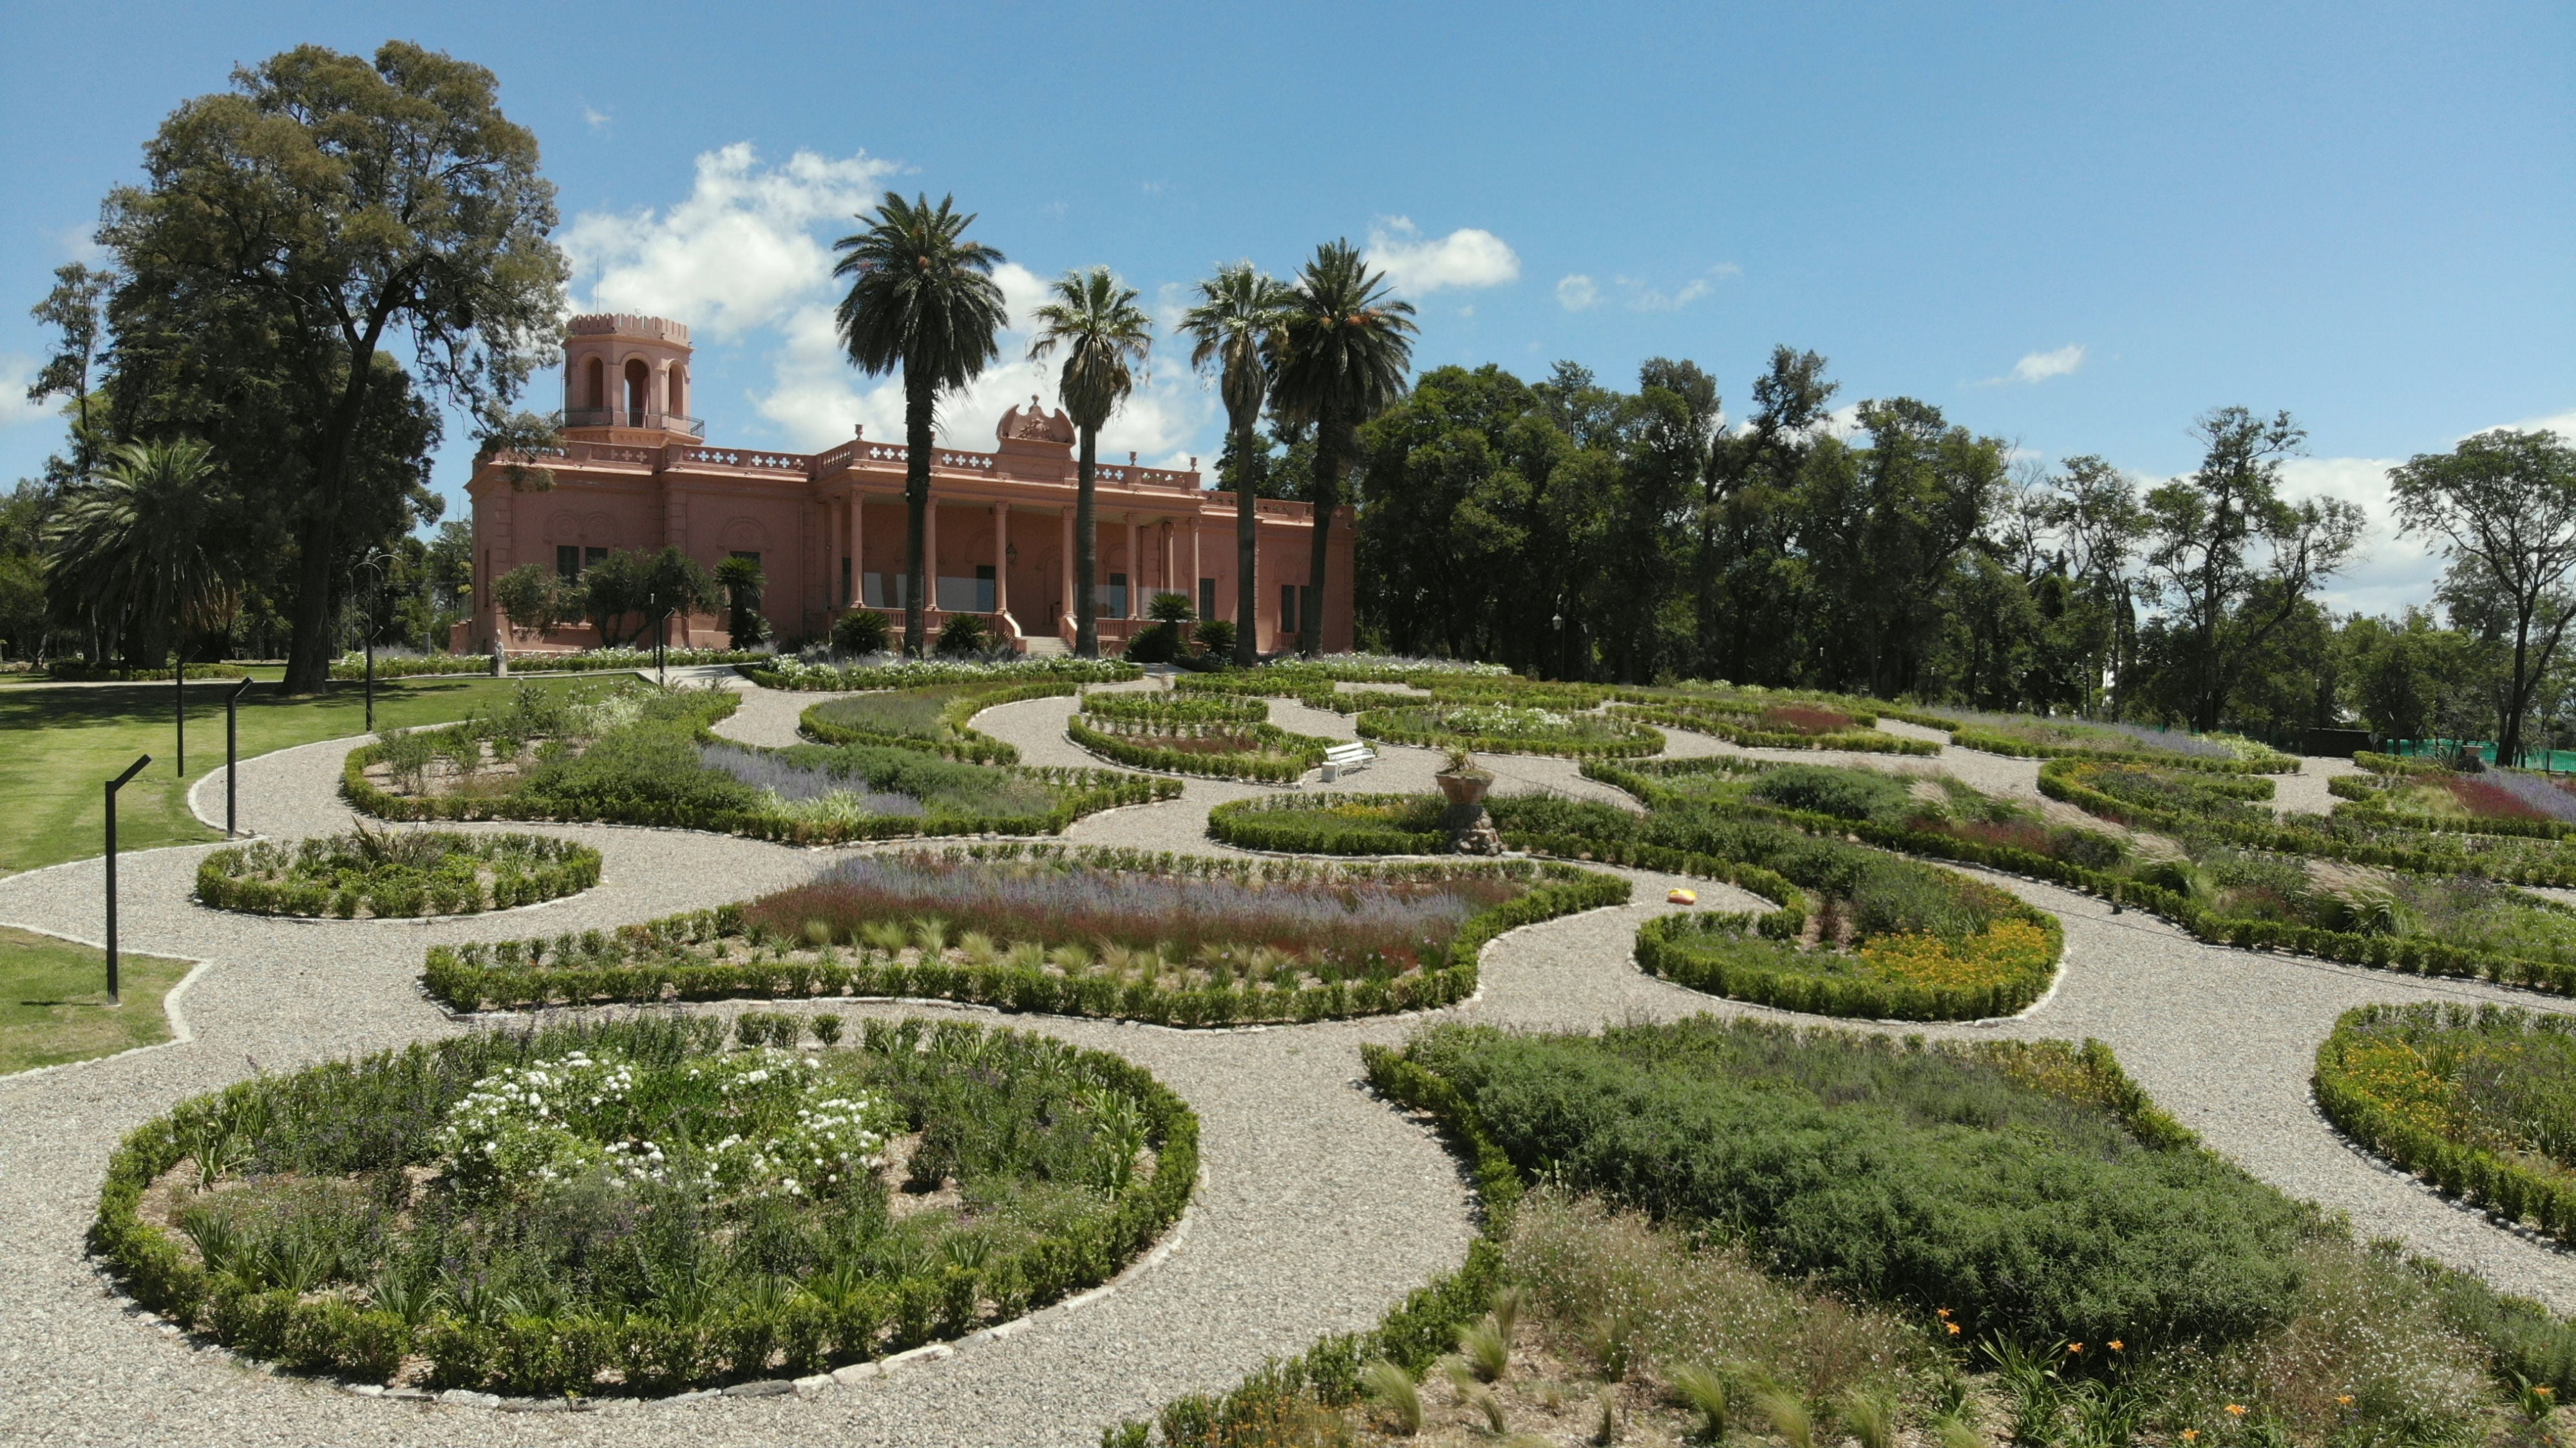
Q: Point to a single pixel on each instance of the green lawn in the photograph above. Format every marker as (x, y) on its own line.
(59, 745)
(53, 1001)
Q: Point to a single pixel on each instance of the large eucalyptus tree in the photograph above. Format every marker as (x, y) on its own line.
(1237, 325)
(922, 298)
(1347, 345)
(1105, 337)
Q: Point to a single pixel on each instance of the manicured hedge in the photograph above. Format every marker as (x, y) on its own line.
(960, 741)
(552, 1356)
(1283, 759)
(1389, 725)
(353, 665)
(2058, 780)
(526, 869)
(2409, 954)
(639, 963)
(1666, 947)
(2508, 1188)
(80, 671)
(1740, 728)
(1175, 708)
(796, 674)
(1309, 824)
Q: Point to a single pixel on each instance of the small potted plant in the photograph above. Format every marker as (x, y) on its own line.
(1462, 781)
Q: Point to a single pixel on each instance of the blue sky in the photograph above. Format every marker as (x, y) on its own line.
(2075, 227)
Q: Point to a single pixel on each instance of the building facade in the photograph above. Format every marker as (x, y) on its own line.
(828, 528)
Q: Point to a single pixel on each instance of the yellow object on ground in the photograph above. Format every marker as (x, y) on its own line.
(1682, 897)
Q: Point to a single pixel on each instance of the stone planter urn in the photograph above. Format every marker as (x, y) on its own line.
(1465, 788)
(1471, 830)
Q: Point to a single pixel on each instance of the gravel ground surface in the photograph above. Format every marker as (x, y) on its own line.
(1318, 1208)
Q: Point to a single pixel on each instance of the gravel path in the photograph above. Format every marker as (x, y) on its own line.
(1318, 1208)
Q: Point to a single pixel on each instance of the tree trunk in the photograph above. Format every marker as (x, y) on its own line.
(917, 416)
(1086, 551)
(1327, 496)
(1247, 549)
(308, 649)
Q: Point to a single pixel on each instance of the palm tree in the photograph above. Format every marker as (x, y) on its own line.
(1237, 324)
(922, 299)
(137, 548)
(1105, 337)
(1343, 362)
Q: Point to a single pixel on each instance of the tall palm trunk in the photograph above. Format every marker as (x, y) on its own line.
(918, 397)
(1327, 497)
(1247, 548)
(1086, 551)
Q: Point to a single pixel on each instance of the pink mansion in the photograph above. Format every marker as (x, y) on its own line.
(828, 528)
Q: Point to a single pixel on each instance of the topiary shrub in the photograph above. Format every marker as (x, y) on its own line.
(1215, 638)
(965, 633)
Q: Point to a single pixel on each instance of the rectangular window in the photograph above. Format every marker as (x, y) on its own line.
(1207, 598)
(985, 586)
(1111, 600)
(1296, 607)
(751, 554)
(568, 560)
(590, 556)
(845, 582)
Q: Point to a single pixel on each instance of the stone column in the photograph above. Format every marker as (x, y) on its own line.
(1135, 568)
(1194, 559)
(1001, 558)
(859, 558)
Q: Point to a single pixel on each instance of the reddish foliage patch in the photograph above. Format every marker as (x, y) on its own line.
(2488, 800)
(1805, 719)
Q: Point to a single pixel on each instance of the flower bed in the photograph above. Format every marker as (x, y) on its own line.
(1175, 939)
(1758, 724)
(933, 717)
(1333, 824)
(385, 873)
(627, 1209)
(916, 673)
(353, 665)
(2507, 802)
(2027, 737)
(1226, 738)
(1901, 976)
(1510, 729)
(2481, 1102)
(641, 756)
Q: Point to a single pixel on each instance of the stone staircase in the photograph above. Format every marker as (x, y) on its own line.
(1044, 646)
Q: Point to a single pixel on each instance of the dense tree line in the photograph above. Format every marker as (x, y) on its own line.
(1572, 530)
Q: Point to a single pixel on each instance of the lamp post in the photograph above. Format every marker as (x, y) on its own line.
(232, 753)
(113, 786)
(179, 701)
(374, 565)
(661, 668)
(1559, 624)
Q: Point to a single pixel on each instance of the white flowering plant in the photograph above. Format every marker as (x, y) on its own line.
(755, 1124)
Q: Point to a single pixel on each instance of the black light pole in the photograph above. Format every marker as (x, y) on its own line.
(661, 669)
(113, 786)
(232, 752)
(179, 699)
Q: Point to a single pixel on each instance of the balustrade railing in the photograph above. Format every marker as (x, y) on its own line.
(633, 417)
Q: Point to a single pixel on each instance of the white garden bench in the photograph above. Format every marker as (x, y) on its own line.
(1341, 759)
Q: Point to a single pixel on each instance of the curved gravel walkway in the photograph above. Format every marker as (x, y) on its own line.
(1318, 1208)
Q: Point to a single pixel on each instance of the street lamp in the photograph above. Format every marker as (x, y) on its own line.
(374, 565)
(113, 786)
(661, 666)
(1559, 624)
(232, 753)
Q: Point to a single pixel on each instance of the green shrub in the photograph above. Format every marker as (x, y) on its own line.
(862, 631)
(395, 874)
(1214, 637)
(965, 633)
(1326, 824)
(1849, 1158)
(1850, 794)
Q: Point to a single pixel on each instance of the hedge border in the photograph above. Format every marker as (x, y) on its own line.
(2504, 1188)
(962, 741)
(1700, 720)
(623, 660)
(1298, 753)
(1660, 954)
(1372, 725)
(1089, 792)
(1557, 889)
(2367, 807)
(574, 869)
(558, 1357)
(861, 678)
(1237, 822)
(2380, 952)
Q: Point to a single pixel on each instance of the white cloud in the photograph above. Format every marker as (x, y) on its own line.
(1577, 292)
(1467, 257)
(2561, 423)
(594, 118)
(16, 375)
(1643, 298)
(2041, 366)
(739, 254)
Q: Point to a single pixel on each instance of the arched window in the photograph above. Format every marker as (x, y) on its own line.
(639, 391)
(595, 385)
